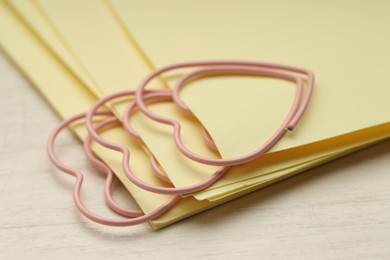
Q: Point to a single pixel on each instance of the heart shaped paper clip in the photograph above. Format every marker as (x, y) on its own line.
(232, 67)
(208, 68)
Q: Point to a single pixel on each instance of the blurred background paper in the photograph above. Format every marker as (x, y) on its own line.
(345, 43)
(32, 15)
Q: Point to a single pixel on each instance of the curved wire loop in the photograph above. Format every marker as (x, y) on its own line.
(227, 68)
(156, 96)
(134, 217)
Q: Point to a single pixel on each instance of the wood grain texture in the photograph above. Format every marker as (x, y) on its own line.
(338, 211)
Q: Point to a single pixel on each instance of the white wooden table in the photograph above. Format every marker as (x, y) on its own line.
(337, 211)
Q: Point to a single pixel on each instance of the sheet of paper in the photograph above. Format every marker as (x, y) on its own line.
(107, 47)
(345, 43)
(32, 15)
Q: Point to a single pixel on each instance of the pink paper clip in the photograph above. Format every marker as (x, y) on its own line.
(231, 67)
(142, 97)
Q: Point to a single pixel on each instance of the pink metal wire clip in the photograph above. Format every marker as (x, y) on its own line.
(144, 97)
(231, 67)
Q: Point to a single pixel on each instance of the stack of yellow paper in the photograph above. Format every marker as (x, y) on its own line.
(84, 50)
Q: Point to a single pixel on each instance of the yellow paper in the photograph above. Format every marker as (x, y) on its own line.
(36, 61)
(32, 15)
(263, 181)
(36, 19)
(181, 170)
(345, 43)
(116, 53)
(333, 148)
(347, 48)
(92, 34)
